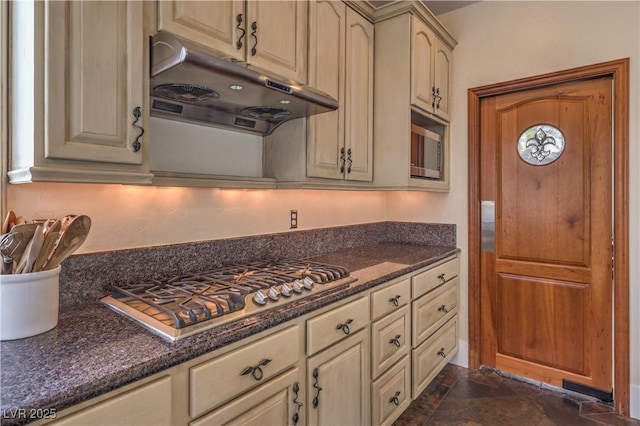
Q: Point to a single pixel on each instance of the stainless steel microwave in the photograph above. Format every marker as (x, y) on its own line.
(426, 153)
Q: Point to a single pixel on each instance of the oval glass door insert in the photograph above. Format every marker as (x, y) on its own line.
(541, 144)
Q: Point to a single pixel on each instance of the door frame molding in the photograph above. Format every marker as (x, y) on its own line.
(618, 70)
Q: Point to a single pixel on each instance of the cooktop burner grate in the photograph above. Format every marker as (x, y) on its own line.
(184, 301)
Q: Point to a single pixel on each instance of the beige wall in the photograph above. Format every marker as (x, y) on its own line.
(505, 40)
(139, 216)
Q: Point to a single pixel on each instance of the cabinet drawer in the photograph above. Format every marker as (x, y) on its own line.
(390, 299)
(150, 404)
(434, 309)
(391, 340)
(273, 403)
(222, 378)
(430, 357)
(390, 394)
(336, 324)
(438, 275)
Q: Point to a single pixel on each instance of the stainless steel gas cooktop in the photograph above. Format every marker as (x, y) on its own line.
(187, 304)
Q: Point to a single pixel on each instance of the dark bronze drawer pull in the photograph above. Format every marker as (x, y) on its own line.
(316, 399)
(395, 341)
(442, 353)
(394, 400)
(443, 308)
(345, 327)
(296, 390)
(395, 300)
(442, 278)
(256, 371)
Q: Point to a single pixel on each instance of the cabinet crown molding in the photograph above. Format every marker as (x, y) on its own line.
(378, 11)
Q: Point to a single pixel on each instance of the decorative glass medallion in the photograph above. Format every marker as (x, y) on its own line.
(541, 144)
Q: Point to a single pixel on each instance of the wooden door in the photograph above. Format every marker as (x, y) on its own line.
(546, 280)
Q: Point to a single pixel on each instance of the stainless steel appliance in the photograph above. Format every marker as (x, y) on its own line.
(187, 304)
(189, 84)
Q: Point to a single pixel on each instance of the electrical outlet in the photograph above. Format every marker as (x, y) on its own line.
(293, 219)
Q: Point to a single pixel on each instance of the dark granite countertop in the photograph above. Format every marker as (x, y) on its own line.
(94, 350)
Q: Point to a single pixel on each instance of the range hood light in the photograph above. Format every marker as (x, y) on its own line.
(236, 87)
(285, 101)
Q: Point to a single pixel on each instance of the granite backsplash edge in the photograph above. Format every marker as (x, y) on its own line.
(88, 277)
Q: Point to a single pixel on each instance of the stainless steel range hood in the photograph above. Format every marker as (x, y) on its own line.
(188, 84)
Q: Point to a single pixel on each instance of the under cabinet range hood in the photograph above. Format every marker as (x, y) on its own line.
(188, 84)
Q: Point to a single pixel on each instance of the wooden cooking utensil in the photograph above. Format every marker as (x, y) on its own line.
(8, 222)
(26, 230)
(48, 246)
(31, 252)
(72, 237)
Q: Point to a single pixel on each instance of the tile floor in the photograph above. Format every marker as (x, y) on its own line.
(458, 396)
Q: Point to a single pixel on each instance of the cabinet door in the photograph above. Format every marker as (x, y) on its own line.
(422, 52)
(278, 41)
(277, 402)
(338, 383)
(325, 132)
(212, 24)
(442, 74)
(359, 98)
(94, 80)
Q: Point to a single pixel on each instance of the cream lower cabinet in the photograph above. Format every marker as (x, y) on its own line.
(338, 383)
(356, 362)
(434, 322)
(277, 402)
(268, 35)
(79, 114)
(390, 346)
(149, 404)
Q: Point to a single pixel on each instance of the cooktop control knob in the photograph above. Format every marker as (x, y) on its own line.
(273, 293)
(285, 290)
(308, 283)
(297, 286)
(260, 298)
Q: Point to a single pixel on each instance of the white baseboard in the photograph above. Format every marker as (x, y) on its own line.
(634, 401)
(462, 357)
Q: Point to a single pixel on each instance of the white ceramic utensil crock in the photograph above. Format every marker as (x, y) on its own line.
(28, 303)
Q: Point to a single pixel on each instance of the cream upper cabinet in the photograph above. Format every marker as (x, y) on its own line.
(359, 98)
(411, 128)
(268, 35)
(430, 70)
(327, 26)
(80, 113)
(338, 152)
(442, 79)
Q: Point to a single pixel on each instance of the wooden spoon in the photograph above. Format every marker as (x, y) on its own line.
(26, 230)
(48, 246)
(31, 252)
(8, 221)
(72, 237)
